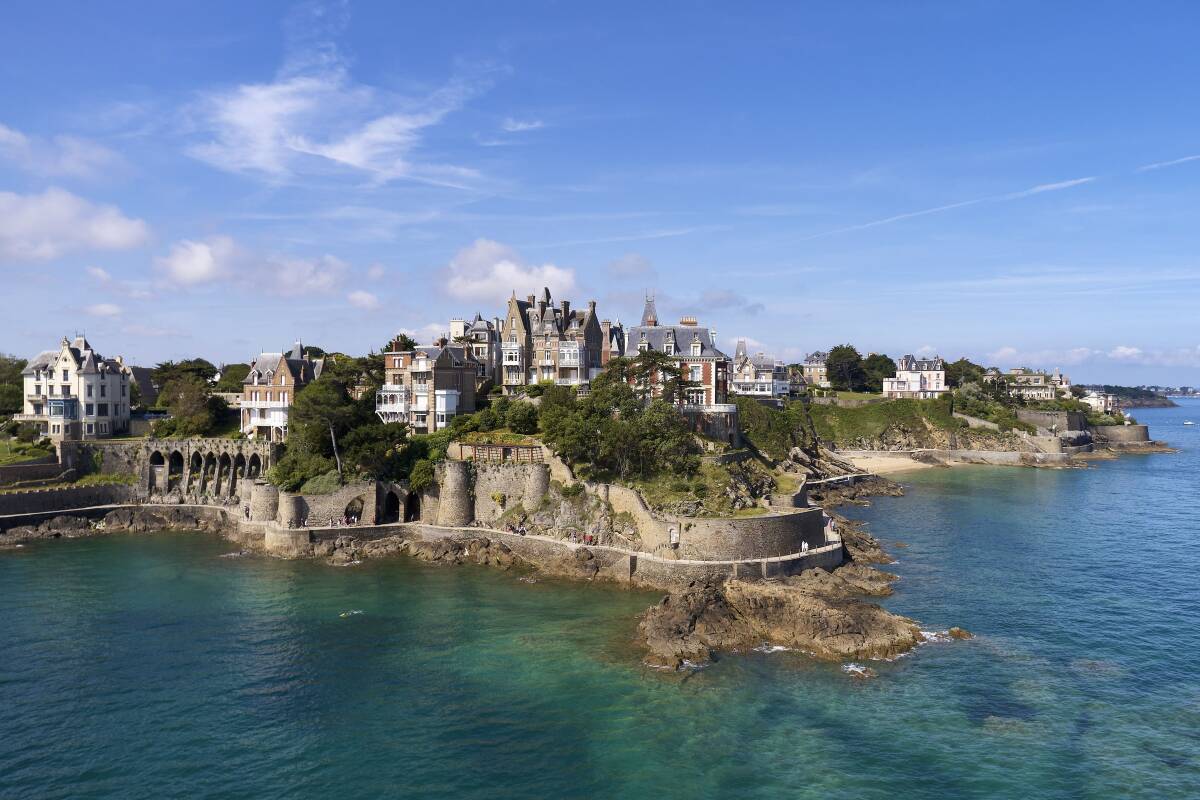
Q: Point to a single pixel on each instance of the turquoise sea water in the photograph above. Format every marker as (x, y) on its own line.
(149, 666)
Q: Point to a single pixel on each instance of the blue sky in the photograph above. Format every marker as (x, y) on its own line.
(1015, 182)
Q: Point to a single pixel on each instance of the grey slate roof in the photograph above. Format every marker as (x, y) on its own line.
(909, 363)
(657, 336)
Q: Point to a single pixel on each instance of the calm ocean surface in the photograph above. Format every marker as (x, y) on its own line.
(149, 666)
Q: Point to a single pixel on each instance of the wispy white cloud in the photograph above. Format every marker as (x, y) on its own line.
(42, 227)
(59, 156)
(194, 263)
(103, 310)
(314, 119)
(364, 300)
(489, 271)
(1171, 163)
(512, 125)
(1033, 190)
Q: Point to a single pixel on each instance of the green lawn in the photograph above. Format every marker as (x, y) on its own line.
(14, 452)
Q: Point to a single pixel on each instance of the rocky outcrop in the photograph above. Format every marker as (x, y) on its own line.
(810, 613)
(463, 550)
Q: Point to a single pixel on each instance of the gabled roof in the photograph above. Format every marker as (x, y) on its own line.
(657, 336)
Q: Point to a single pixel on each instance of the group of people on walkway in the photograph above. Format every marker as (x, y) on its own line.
(519, 530)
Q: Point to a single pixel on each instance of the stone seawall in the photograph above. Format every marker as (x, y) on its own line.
(64, 499)
(1122, 434)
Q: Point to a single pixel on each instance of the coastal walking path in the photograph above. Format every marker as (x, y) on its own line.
(566, 544)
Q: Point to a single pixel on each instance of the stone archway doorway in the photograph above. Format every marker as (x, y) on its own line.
(412, 507)
(391, 507)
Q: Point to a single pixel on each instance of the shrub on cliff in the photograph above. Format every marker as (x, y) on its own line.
(613, 432)
(296, 467)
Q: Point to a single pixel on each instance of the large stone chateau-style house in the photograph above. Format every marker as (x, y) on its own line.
(75, 393)
(541, 341)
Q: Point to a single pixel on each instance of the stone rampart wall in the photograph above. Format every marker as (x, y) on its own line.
(766, 536)
(1122, 433)
(1063, 421)
(499, 487)
(318, 509)
(64, 499)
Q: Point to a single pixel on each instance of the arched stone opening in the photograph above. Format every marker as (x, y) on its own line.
(174, 471)
(254, 466)
(195, 477)
(224, 467)
(239, 472)
(157, 469)
(208, 482)
(354, 509)
(412, 507)
(391, 508)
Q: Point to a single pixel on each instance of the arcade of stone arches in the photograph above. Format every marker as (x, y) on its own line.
(192, 468)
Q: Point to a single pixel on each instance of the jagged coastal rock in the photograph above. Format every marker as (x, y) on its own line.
(690, 626)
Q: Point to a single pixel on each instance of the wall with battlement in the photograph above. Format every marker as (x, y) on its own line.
(64, 499)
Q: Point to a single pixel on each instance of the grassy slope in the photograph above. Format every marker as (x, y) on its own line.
(774, 432)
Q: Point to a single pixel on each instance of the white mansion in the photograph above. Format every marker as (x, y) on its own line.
(75, 393)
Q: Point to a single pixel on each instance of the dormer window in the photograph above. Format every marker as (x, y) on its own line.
(696, 348)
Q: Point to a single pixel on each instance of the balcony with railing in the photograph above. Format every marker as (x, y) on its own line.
(267, 404)
(392, 403)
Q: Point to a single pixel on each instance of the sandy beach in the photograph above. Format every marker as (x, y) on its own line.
(885, 464)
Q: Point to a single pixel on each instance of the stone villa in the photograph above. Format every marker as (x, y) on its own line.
(75, 393)
(1032, 384)
(541, 341)
(694, 349)
(919, 378)
(270, 389)
(758, 375)
(814, 369)
(427, 387)
(482, 338)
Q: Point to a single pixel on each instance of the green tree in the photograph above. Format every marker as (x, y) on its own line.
(845, 367)
(11, 398)
(878, 366)
(233, 376)
(194, 411)
(522, 417)
(168, 371)
(962, 372)
(401, 342)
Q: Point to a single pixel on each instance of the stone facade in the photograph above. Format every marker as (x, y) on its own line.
(75, 393)
(270, 389)
(427, 387)
(541, 341)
